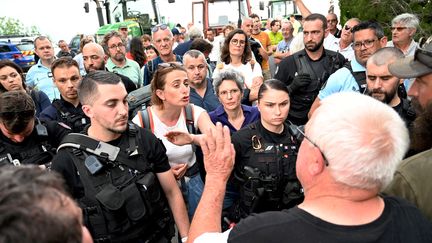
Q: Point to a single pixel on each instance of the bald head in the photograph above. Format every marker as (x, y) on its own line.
(247, 25)
(94, 57)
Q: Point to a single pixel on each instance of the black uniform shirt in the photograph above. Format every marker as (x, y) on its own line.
(31, 146)
(154, 152)
(242, 141)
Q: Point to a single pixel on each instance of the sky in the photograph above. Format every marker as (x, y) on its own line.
(63, 19)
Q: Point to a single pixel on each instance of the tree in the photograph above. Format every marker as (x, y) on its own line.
(11, 26)
(383, 11)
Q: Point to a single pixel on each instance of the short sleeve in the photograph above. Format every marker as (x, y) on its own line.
(197, 111)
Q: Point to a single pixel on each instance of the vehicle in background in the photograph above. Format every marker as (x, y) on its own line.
(218, 13)
(11, 52)
(138, 22)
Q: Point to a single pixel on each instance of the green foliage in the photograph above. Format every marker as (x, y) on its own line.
(384, 11)
(11, 26)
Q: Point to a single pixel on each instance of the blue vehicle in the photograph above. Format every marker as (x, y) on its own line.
(10, 52)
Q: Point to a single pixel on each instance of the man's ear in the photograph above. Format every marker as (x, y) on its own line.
(319, 162)
(383, 41)
(88, 111)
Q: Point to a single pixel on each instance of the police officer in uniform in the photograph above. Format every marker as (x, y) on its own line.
(23, 138)
(67, 109)
(307, 70)
(266, 152)
(118, 172)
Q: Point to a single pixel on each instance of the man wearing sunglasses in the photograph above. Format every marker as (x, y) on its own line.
(346, 40)
(368, 38)
(341, 182)
(23, 138)
(412, 177)
(163, 40)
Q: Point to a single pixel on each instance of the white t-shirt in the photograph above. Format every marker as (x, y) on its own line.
(176, 154)
(244, 69)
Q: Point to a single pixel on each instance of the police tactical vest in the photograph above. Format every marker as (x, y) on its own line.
(304, 97)
(268, 179)
(76, 122)
(41, 153)
(123, 198)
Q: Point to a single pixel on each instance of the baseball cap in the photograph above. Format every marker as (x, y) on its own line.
(415, 66)
(123, 26)
(175, 31)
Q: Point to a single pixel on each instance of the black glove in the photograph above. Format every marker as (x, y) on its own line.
(299, 81)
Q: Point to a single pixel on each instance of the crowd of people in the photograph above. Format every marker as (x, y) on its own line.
(299, 131)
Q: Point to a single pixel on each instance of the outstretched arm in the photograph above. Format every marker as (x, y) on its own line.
(219, 157)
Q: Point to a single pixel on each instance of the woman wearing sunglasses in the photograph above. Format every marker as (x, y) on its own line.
(236, 54)
(266, 153)
(168, 121)
(12, 78)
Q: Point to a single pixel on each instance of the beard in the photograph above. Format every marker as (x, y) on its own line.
(314, 47)
(388, 96)
(421, 134)
(119, 57)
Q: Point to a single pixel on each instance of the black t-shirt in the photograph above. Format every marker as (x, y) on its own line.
(28, 150)
(153, 152)
(399, 222)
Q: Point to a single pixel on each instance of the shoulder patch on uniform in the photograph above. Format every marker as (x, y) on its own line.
(64, 125)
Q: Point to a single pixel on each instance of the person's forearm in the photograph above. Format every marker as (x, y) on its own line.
(208, 215)
(178, 208)
(302, 8)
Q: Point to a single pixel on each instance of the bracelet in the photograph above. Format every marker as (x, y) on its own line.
(184, 239)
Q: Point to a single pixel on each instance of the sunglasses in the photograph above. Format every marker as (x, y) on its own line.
(347, 27)
(10, 115)
(159, 26)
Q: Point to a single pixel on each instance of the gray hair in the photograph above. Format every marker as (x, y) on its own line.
(195, 32)
(194, 54)
(228, 74)
(363, 139)
(407, 19)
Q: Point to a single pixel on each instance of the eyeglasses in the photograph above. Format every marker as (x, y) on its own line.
(398, 28)
(300, 129)
(230, 92)
(366, 44)
(237, 42)
(159, 26)
(9, 115)
(119, 45)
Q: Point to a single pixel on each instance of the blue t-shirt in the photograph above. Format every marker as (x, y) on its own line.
(39, 78)
(209, 102)
(342, 80)
(251, 114)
